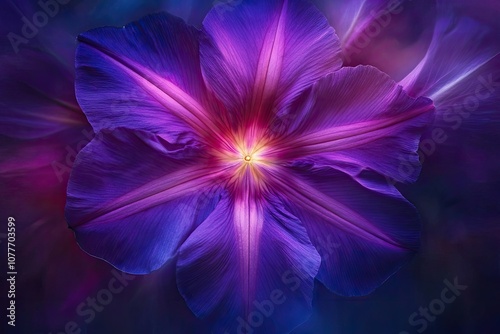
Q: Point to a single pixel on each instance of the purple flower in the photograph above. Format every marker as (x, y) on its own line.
(448, 53)
(246, 152)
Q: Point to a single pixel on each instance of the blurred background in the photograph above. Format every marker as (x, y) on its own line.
(59, 288)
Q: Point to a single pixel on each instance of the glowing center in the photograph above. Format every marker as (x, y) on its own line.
(248, 158)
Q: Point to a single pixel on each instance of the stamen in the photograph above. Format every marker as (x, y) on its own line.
(248, 158)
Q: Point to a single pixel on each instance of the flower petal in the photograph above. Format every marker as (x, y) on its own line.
(360, 115)
(133, 198)
(260, 55)
(144, 76)
(349, 18)
(363, 236)
(391, 35)
(458, 50)
(249, 265)
(461, 72)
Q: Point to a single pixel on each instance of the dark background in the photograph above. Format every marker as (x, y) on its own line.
(458, 196)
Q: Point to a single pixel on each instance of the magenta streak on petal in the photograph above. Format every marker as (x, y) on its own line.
(166, 93)
(161, 190)
(346, 136)
(330, 210)
(270, 63)
(248, 220)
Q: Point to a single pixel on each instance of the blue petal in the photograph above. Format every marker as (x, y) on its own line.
(133, 198)
(363, 235)
(253, 271)
(157, 87)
